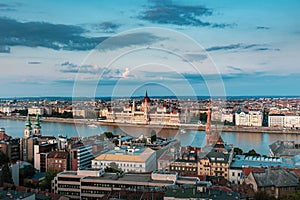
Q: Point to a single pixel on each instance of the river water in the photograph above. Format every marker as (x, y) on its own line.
(246, 141)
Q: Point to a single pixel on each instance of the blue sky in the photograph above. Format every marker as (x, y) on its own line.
(121, 48)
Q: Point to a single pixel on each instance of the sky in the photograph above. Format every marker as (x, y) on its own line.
(122, 48)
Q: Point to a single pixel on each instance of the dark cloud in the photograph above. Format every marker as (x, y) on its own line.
(41, 34)
(68, 67)
(7, 7)
(266, 49)
(255, 47)
(108, 27)
(194, 57)
(34, 62)
(129, 39)
(166, 12)
(235, 69)
(4, 49)
(227, 47)
(262, 28)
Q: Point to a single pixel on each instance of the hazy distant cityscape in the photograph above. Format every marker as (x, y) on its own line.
(152, 163)
(165, 100)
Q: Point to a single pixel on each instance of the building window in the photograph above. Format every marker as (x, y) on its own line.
(233, 174)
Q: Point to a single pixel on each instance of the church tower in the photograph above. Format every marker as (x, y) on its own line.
(146, 104)
(208, 125)
(37, 126)
(28, 128)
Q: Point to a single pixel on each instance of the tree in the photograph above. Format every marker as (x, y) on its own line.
(294, 195)
(6, 174)
(153, 136)
(27, 172)
(260, 195)
(3, 158)
(113, 167)
(50, 175)
(203, 117)
(252, 152)
(109, 135)
(238, 151)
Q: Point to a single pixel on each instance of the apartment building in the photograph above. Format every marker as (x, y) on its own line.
(87, 184)
(57, 161)
(282, 120)
(251, 118)
(139, 159)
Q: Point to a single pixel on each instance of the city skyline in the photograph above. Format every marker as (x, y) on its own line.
(249, 48)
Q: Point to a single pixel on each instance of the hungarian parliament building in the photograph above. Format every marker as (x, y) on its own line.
(144, 115)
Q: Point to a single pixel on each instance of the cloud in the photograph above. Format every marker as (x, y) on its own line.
(7, 7)
(194, 57)
(4, 49)
(129, 39)
(266, 49)
(107, 73)
(41, 34)
(240, 46)
(108, 27)
(34, 62)
(235, 69)
(126, 73)
(262, 28)
(170, 13)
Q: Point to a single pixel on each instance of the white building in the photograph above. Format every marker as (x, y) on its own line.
(287, 121)
(35, 110)
(7, 110)
(84, 156)
(143, 115)
(235, 175)
(138, 159)
(251, 118)
(79, 113)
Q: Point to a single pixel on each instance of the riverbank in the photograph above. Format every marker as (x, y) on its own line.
(191, 127)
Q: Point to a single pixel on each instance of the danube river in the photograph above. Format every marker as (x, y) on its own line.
(245, 141)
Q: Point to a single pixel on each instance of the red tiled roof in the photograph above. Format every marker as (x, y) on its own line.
(58, 154)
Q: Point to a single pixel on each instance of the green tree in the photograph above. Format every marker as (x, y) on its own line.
(260, 195)
(113, 167)
(294, 195)
(3, 158)
(203, 117)
(109, 135)
(153, 136)
(6, 174)
(252, 152)
(46, 185)
(238, 151)
(27, 172)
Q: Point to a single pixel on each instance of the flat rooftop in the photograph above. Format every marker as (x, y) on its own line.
(251, 161)
(142, 178)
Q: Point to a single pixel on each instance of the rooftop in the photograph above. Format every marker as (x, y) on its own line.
(140, 154)
(134, 177)
(58, 154)
(241, 161)
(276, 177)
(285, 148)
(216, 156)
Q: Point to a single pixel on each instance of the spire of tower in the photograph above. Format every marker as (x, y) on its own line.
(208, 121)
(208, 125)
(146, 94)
(37, 122)
(28, 123)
